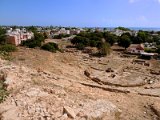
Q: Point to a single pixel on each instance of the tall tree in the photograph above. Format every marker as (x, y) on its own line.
(124, 41)
(2, 36)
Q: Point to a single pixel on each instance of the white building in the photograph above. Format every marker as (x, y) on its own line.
(16, 36)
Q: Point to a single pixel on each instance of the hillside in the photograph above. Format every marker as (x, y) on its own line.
(74, 85)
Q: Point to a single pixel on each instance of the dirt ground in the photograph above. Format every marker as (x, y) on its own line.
(133, 87)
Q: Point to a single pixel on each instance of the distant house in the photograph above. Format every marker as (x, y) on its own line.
(16, 37)
(150, 45)
(136, 49)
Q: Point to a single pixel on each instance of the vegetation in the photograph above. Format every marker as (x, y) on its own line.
(3, 91)
(32, 29)
(5, 49)
(2, 36)
(158, 49)
(124, 41)
(156, 39)
(52, 47)
(123, 28)
(60, 36)
(110, 38)
(35, 42)
(94, 39)
(104, 50)
(149, 50)
(87, 39)
(8, 48)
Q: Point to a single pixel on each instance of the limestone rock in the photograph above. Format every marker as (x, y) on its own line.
(100, 109)
(9, 113)
(70, 112)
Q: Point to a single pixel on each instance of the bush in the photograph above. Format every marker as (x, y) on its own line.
(80, 46)
(8, 48)
(149, 50)
(36, 42)
(105, 49)
(60, 36)
(52, 47)
(31, 43)
(124, 41)
(158, 49)
(80, 40)
(3, 91)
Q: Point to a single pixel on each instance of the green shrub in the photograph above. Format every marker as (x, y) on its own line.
(8, 48)
(105, 49)
(60, 36)
(31, 43)
(149, 50)
(52, 47)
(80, 46)
(35, 42)
(158, 49)
(3, 91)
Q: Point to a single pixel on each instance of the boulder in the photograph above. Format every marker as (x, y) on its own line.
(100, 110)
(9, 112)
(69, 111)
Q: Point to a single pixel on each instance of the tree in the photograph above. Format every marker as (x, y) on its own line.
(142, 36)
(123, 28)
(39, 37)
(80, 46)
(78, 39)
(156, 39)
(158, 49)
(110, 38)
(93, 43)
(124, 41)
(52, 47)
(32, 29)
(35, 42)
(2, 36)
(45, 35)
(136, 40)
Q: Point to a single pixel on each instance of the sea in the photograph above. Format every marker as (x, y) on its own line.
(138, 28)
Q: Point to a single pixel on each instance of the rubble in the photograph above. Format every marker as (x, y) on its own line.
(54, 87)
(155, 72)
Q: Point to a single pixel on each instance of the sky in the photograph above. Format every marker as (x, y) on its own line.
(81, 13)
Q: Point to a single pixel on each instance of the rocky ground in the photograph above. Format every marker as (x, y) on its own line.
(74, 85)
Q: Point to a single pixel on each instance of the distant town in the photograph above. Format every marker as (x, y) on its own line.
(144, 43)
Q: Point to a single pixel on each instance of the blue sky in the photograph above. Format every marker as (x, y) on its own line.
(82, 13)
